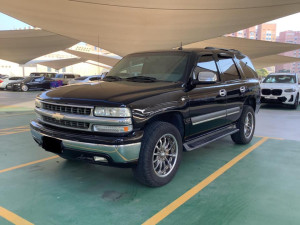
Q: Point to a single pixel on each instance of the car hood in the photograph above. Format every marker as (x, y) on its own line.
(108, 93)
(278, 85)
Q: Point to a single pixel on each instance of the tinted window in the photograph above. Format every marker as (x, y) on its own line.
(206, 63)
(69, 76)
(248, 68)
(59, 76)
(94, 78)
(38, 79)
(228, 68)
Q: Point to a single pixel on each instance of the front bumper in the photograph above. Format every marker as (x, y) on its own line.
(282, 99)
(121, 150)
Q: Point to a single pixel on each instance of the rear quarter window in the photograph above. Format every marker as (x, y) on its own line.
(248, 68)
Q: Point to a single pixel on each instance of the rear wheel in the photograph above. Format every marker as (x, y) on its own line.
(24, 87)
(160, 155)
(246, 126)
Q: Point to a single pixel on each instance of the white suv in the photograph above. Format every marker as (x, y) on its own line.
(281, 88)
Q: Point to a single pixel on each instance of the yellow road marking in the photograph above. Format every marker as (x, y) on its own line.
(193, 191)
(17, 114)
(28, 164)
(270, 137)
(13, 218)
(15, 132)
(10, 128)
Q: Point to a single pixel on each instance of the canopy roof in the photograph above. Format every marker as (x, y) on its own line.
(251, 48)
(125, 26)
(21, 46)
(61, 63)
(110, 61)
(273, 60)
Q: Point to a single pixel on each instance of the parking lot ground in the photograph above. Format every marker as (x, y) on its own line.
(261, 186)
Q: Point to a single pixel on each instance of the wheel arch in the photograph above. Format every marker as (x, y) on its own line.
(251, 101)
(175, 118)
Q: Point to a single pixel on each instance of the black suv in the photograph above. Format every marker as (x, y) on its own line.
(150, 107)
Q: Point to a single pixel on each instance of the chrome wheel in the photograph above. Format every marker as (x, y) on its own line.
(165, 155)
(249, 124)
(24, 88)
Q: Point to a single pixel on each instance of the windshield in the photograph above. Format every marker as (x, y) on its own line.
(168, 66)
(27, 79)
(280, 79)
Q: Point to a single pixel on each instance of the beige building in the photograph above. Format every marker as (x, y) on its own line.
(266, 32)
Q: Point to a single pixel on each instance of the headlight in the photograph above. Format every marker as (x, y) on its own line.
(112, 129)
(112, 112)
(290, 90)
(38, 103)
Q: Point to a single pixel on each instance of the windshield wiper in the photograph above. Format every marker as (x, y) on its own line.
(112, 78)
(141, 79)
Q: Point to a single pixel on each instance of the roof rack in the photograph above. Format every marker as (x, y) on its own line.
(223, 49)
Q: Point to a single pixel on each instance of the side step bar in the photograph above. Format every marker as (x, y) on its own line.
(210, 137)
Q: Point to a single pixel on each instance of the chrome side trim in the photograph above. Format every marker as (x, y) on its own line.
(233, 110)
(215, 115)
(208, 117)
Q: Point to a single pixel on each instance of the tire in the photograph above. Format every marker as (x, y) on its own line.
(245, 133)
(296, 103)
(153, 168)
(24, 88)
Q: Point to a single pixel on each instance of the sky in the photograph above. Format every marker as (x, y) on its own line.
(286, 23)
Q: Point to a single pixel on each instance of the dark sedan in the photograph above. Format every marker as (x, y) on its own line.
(30, 83)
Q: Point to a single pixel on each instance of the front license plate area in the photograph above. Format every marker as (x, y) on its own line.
(52, 145)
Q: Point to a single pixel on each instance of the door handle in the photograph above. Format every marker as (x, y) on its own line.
(223, 92)
(243, 89)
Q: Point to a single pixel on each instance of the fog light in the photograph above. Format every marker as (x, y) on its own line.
(112, 129)
(100, 159)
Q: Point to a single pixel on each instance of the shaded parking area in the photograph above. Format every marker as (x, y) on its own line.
(221, 183)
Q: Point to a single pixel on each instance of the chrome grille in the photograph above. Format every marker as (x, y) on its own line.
(66, 123)
(67, 109)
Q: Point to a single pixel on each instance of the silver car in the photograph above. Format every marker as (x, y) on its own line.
(86, 79)
(8, 80)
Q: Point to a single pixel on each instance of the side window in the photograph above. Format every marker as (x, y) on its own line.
(69, 76)
(248, 68)
(39, 79)
(228, 68)
(206, 63)
(94, 78)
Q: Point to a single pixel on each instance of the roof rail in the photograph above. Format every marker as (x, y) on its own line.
(223, 49)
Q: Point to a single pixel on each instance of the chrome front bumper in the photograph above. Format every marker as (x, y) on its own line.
(118, 153)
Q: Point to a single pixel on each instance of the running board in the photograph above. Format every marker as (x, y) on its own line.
(208, 138)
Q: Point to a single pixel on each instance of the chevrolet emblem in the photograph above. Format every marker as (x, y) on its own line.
(58, 116)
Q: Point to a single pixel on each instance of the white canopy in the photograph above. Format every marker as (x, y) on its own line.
(251, 48)
(107, 60)
(273, 60)
(61, 63)
(21, 46)
(125, 26)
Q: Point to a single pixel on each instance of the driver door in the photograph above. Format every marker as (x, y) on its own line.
(207, 103)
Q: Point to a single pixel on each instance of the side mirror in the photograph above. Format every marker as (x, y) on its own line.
(205, 77)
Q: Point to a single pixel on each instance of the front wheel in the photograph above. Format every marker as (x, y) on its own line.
(160, 155)
(246, 126)
(24, 88)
